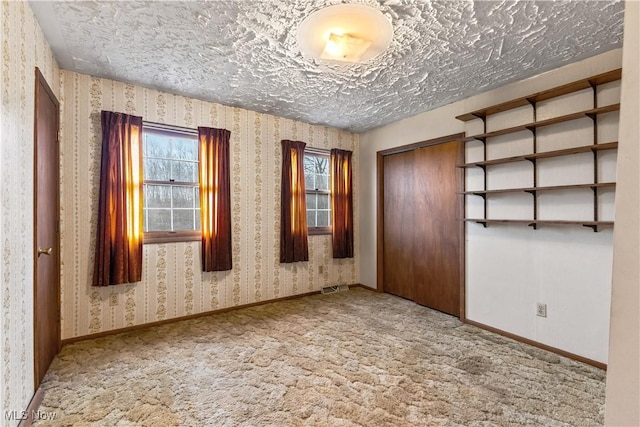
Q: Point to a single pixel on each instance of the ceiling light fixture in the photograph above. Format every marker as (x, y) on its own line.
(345, 32)
(344, 48)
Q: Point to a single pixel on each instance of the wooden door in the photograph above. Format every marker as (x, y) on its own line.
(422, 248)
(399, 218)
(47, 237)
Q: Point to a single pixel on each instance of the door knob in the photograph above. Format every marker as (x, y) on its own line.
(44, 251)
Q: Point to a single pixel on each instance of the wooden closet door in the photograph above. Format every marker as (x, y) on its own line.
(399, 209)
(421, 229)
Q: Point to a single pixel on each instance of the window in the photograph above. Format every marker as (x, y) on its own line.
(316, 179)
(171, 204)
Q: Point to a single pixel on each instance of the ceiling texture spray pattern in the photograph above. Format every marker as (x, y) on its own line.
(244, 52)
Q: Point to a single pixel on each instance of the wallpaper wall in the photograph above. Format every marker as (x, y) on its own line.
(173, 284)
(23, 48)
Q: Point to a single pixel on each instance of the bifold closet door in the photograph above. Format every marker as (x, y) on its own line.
(421, 229)
(399, 209)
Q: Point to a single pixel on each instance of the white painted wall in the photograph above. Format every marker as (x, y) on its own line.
(623, 375)
(511, 267)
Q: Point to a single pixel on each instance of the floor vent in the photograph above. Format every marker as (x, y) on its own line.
(334, 289)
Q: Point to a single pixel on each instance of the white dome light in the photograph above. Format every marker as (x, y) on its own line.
(345, 32)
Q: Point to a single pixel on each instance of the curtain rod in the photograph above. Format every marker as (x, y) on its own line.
(314, 150)
(165, 127)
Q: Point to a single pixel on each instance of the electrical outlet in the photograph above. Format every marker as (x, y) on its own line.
(541, 310)
(113, 299)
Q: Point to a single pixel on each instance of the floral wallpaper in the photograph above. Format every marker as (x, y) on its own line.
(173, 284)
(23, 48)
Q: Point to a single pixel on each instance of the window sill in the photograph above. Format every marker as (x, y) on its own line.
(154, 237)
(318, 231)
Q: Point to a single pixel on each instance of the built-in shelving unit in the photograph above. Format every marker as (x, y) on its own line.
(592, 113)
(532, 101)
(543, 155)
(533, 223)
(534, 189)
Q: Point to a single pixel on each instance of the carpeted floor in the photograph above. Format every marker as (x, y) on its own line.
(355, 358)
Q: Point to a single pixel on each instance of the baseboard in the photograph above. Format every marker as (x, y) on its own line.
(181, 318)
(34, 405)
(523, 340)
(369, 288)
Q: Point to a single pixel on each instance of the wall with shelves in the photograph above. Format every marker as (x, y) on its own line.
(558, 184)
(546, 146)
(510, 267)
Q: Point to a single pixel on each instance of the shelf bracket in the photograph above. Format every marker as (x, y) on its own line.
(592, 116)
(483, 223)
(534, 225)
(594, 227)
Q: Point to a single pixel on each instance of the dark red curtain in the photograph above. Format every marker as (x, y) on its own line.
(215, 199)
(341, 204)
(118, 256)
(294, 245)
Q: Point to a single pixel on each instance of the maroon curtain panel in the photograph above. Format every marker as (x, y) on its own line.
(215, 198)
(294, 245)
(341, 204)
(118, 257)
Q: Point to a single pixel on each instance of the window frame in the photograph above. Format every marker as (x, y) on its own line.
(151, 237)
(317, 152)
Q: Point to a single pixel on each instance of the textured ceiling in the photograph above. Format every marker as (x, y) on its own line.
(244, 52)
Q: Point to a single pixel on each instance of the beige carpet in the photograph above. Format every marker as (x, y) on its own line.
(347, 359)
